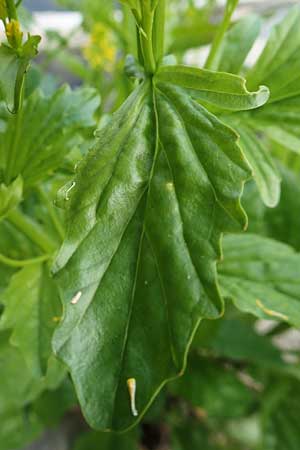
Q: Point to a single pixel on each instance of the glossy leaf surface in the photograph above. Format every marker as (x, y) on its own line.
(149, 203)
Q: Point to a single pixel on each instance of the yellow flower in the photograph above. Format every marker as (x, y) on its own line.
(101, 50)
(14, 34)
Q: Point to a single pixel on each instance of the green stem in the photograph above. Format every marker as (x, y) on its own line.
(12, 10)
(159, 30)
(32, 230)
(146, 32)
(22, 263)
(213, 54)
(13, 153)
(52, 213)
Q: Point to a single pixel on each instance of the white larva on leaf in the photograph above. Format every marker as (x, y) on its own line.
(76, 298)
(131, 384)
(69, 190)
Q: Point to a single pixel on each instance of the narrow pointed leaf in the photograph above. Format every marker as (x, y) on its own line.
(237, 43)
(262, 277)
(278, 65)
(149, 205)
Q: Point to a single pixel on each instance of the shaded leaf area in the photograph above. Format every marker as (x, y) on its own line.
(191, 434)
(283, 222)
(210, 385)
(36, 141)
(150, 203)
(279, 416)
(107, 441)
(262, 277)
(242, 346)
(31, 309)
(14, 63)
(19, 423)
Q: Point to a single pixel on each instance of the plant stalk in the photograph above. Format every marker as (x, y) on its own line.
(159, 30)
(213, 54)
(32, 230)
(146, 34)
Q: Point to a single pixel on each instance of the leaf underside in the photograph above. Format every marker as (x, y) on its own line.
(147, 210)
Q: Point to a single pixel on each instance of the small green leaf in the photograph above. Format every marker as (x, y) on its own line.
(262, 277)
(31, 306)
(149, 203)
(223, 90)
(10, 196)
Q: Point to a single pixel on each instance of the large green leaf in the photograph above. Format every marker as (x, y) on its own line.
(31, 303)
(262, 277)
(36, 141)
(147, 210)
